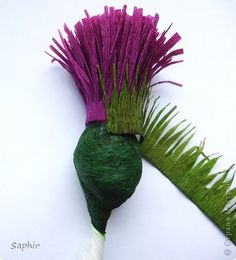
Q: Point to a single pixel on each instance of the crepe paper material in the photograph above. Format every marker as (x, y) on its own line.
(93, 249)
(109, 168)
(125, 111)
(113, 57)
(189, 168)
(114, 39)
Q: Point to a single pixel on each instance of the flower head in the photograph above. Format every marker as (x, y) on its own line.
(111, 49)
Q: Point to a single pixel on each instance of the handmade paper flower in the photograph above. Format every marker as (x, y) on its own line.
(112, 58)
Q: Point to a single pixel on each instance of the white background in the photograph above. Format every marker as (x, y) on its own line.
(42, 116)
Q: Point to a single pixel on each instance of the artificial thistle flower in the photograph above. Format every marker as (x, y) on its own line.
(112, 58)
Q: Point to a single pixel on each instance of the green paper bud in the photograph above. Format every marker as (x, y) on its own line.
(109, 168)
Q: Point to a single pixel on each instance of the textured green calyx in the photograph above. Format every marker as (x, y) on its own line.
(109, 168)
(125, 110)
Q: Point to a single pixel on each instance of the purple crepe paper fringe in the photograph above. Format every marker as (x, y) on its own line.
(113, 38)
